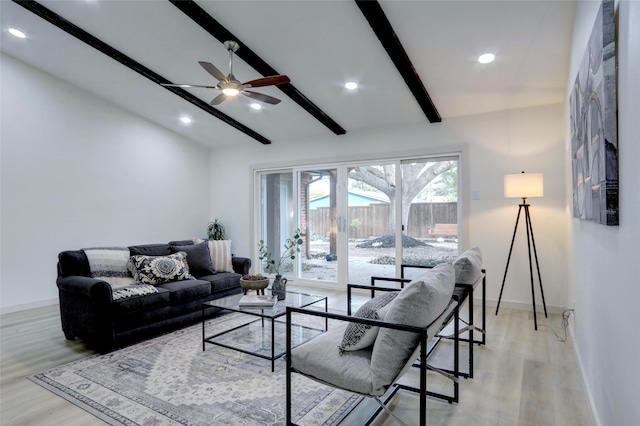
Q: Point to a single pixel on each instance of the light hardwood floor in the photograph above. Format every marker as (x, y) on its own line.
(522, 376)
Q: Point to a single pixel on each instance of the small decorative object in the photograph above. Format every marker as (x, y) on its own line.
(215, 230)
(291, 247)
(256, 282)
(279, 287)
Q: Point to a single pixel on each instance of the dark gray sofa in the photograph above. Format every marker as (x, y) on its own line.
(88, 311)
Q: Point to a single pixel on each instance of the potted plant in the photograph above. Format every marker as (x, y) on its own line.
(215, 230)
(291, 247)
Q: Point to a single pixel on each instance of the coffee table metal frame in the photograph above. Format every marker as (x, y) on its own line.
(230, 303)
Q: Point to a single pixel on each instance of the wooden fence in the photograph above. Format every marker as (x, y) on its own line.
(371, 221)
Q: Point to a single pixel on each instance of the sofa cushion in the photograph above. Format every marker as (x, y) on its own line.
(361, 336)
(150, 250)
(468, 266)
(221, 281)
(110, 264)
(198, 258)
(160, 269)
(74, 262)
(182, 291)
(418, 304)
(321, 358)
(141, 303)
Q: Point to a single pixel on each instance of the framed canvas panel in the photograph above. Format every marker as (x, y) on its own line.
(594, 127)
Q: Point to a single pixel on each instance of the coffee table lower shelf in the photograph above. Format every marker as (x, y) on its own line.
(263, 337)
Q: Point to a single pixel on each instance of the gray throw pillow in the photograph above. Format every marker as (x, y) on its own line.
(468, 266)
(198, 258)
(418, 304)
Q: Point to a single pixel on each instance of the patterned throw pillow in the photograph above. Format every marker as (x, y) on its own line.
(110, 264)
(156, 270)
(360, 336)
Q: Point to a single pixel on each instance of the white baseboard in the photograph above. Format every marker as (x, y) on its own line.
(26, 306)
(521, 306)
(595, 419)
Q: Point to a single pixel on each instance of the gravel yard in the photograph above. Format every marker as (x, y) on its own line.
(365, 262)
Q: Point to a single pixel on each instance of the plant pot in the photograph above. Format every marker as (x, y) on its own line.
(258, 285)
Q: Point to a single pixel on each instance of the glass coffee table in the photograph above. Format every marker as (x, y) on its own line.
(264, 339)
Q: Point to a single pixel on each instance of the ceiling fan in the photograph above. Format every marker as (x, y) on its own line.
(230, 86)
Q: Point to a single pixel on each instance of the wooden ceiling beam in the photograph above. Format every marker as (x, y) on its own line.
(101, 46)
(218, 31)
(381, 26)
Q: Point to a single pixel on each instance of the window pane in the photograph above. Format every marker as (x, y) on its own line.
(371, 222)
(429, 213)
(318, 217)
(277, 215)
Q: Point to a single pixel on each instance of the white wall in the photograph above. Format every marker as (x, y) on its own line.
(79, 172)
(529, 139)
(604, 277)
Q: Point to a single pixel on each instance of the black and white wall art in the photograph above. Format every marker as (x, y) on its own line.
(593, 121)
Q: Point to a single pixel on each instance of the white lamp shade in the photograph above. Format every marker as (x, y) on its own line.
(523, 185)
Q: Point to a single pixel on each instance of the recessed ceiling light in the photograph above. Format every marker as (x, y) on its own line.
(486, 58)
(185, 119)
(351, 85)
(256, 106)
(17, 33)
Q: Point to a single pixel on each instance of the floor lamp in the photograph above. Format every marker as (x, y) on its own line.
(525, 185)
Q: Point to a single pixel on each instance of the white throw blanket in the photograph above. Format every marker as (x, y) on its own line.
(110, 264)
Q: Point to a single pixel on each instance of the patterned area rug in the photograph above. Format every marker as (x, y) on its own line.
(169, 380)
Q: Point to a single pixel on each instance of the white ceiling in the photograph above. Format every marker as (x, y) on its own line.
(320, 45)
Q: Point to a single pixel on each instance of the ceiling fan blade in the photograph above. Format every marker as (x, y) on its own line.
(261, 97)
(218, 99)
(187, 85)
(274, 80)
(211, 69)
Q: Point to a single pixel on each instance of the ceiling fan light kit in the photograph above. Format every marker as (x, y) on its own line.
(230, 86)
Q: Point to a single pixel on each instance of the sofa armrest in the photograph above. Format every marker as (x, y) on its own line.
(98, 290)
(241, 264)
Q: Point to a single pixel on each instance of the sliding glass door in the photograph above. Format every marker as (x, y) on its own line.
(362, 219)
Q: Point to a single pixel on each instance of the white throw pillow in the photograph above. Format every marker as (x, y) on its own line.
(220, 252)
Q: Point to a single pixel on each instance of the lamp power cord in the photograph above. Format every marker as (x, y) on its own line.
(566, 314)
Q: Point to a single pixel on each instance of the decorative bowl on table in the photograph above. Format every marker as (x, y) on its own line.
(254, 282)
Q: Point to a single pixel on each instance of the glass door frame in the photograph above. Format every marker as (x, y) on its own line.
(342, 166)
